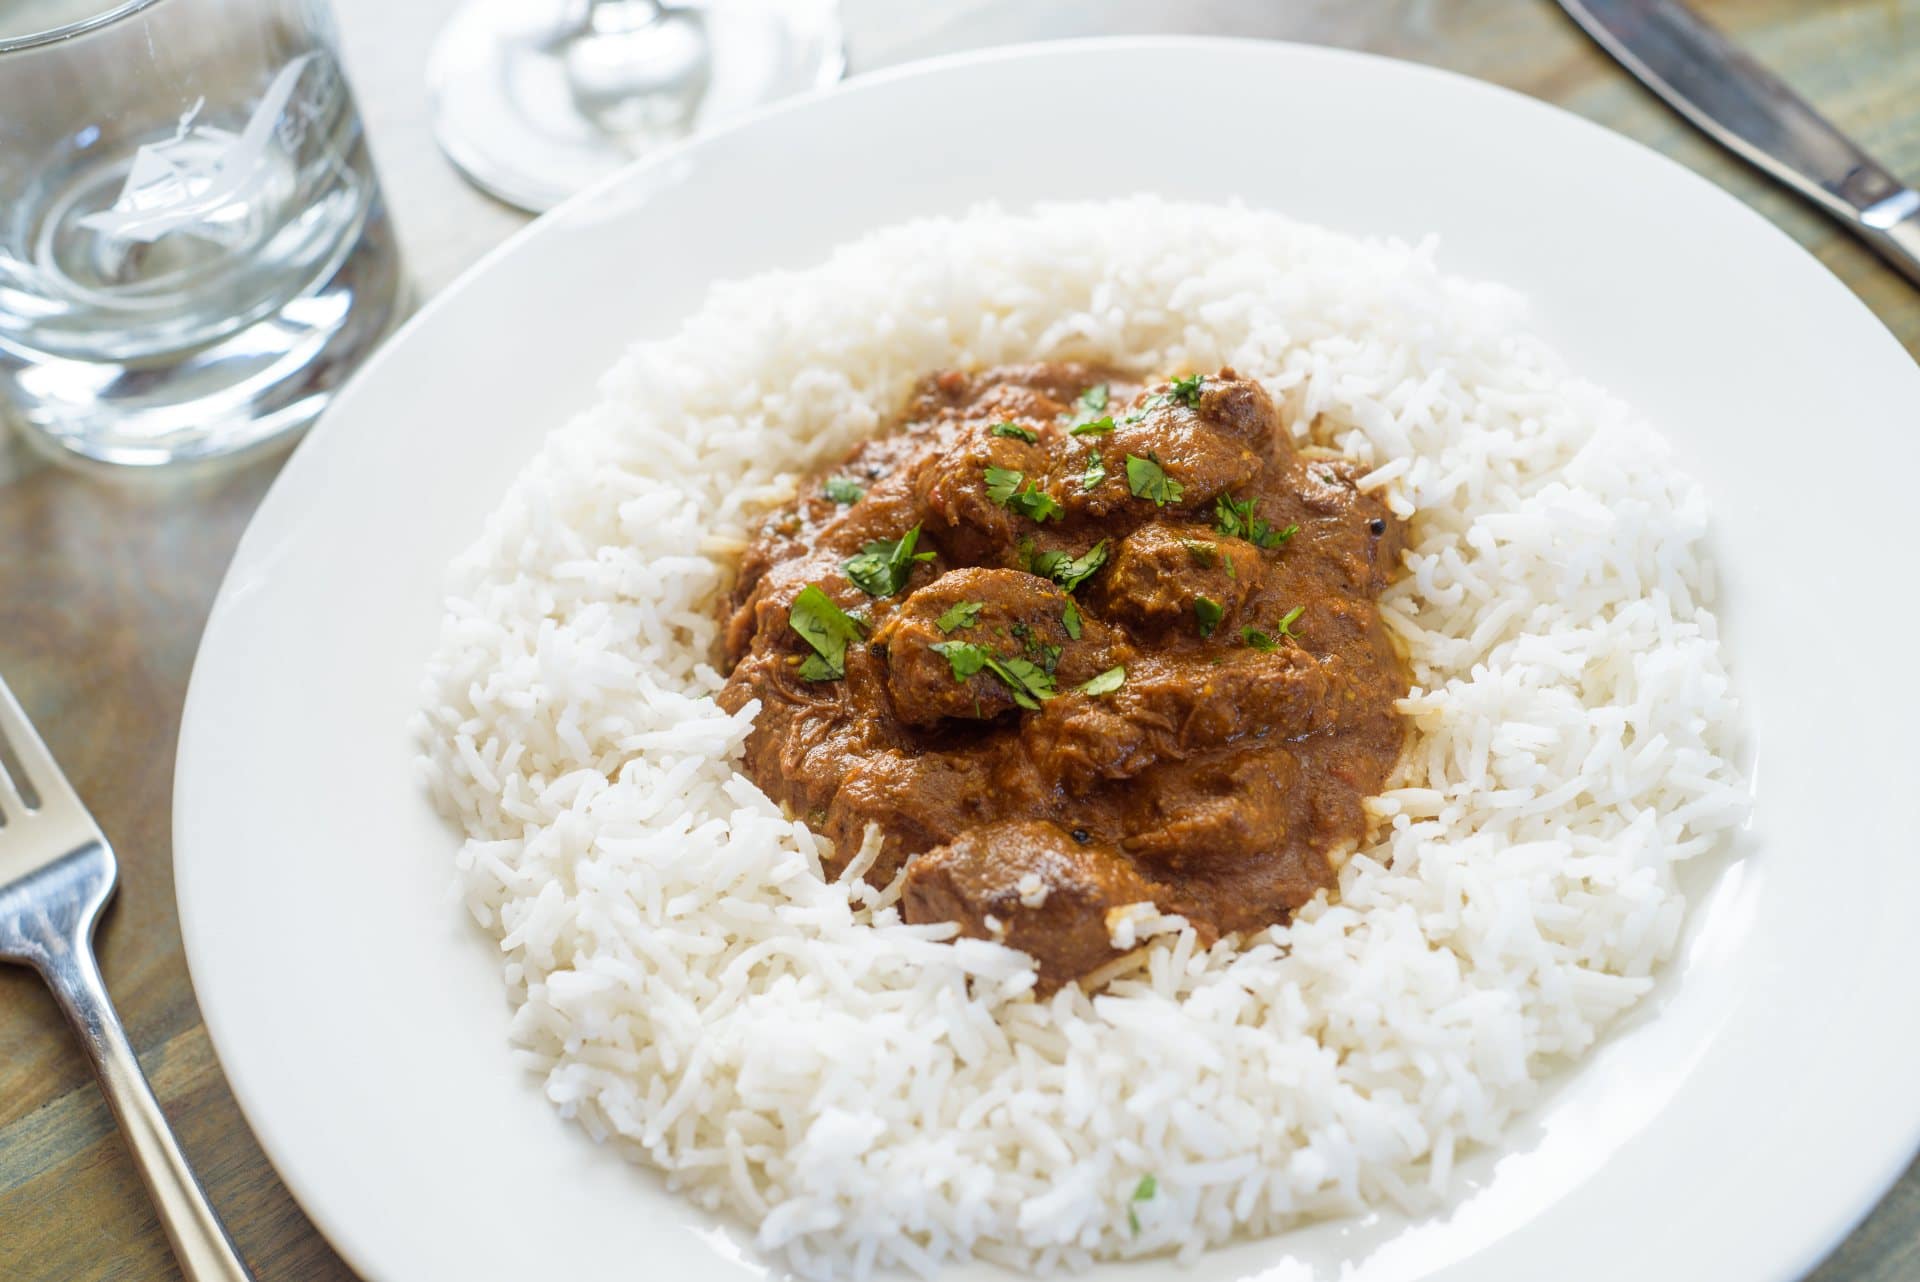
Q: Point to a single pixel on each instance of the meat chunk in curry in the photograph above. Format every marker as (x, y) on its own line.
(1073, 644)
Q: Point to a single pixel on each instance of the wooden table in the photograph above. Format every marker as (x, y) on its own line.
(104, 587)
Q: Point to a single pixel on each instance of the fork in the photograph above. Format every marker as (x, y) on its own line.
(56, 874)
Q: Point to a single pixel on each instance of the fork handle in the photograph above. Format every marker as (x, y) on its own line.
(200, 1242)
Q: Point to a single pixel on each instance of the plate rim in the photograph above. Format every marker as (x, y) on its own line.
(1872, 1186)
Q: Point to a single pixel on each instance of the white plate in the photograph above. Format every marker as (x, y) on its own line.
(1741, 1123)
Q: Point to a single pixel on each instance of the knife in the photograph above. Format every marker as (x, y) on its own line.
(1753, 113)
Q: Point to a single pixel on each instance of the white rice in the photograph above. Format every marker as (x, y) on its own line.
(865, 1096)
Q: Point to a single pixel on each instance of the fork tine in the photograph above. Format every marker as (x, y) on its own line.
(13, 803)
(33, 771)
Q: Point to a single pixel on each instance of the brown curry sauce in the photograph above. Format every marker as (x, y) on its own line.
(1220, 775)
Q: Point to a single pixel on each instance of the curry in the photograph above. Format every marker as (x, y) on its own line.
(1074, 644)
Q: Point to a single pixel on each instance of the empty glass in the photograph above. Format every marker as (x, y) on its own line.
(193, 248)
(536, 99)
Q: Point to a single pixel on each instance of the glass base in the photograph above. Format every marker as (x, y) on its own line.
(243, 394)
(531, 117)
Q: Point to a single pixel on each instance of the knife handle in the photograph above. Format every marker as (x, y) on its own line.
(1892, 228)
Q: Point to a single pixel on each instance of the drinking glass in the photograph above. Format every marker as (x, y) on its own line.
(193, 247)
(535, 99)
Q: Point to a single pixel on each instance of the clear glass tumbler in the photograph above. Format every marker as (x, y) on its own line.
(193, 247)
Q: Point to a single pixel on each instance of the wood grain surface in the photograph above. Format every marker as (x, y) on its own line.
(105, 584)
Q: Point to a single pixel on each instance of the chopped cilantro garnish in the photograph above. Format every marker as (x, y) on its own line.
(964, 658)
(1106, 683)
(1231, 516)
(963, 615)
(1092, 427)
(1028, 682)
(1096, 472)
(1002, 482)
(843, 490)
(1069, 571)
(825, 627)
(1148, 480)
(1235, 519)
(1209, 613)
(881, 567)
(816, 668)
(1016, 431)
(1263, 641)
(1033, 647)
(1034, 503)
(1187, 390)
(1203, 553)
(1070, 620)
(1088, 406)
(1142, 1192)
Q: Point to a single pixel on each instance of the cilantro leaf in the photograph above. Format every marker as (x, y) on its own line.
(1096, 472)
(1265, 536)
(1070, 620)
(1231, 515)
(815, 668)
(1265, 642)
(964, 658)
(1092, 427)
(1106, 683)
(963, 615)
(881, 567)
(1208, 612)
(1035, 504)
(1069, 571)
(843, 490)
(1148, 480)
(1015, 431)
(1087, 407)
(1235, 519)
(1142, 1192)
(1028, 682)
(1033, 647)
(1187, 390)
(1003, 487)
(825, 627)
(1002, 482)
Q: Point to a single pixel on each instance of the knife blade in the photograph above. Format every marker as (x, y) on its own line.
(1752, 112)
